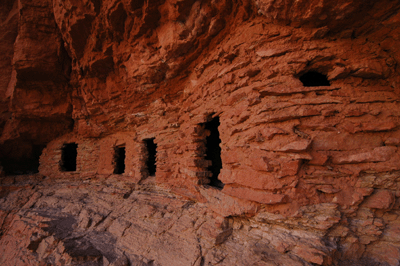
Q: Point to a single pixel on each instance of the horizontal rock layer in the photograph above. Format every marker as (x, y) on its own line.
(309, 173)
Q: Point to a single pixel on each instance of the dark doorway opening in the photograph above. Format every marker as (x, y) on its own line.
(119, 160)
(314, 79)
(213, 152)
(68, 157)
(33, 165)
(151, 156)
(28, 163)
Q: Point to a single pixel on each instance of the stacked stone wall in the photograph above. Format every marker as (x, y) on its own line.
(88, 154)
(321, 161)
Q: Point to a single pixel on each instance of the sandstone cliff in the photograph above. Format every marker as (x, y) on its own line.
(301, 97)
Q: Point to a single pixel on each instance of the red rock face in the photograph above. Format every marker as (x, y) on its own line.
(306, 95)
(34, 88)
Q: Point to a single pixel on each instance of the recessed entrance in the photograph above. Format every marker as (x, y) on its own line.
(68, 157)
(151, 156)
(213, 152)
(28, 163)
(119, 160)
(33, 165)
(314, 79)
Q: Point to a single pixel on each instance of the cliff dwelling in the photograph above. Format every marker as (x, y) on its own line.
(199, 132)
(119, 160)
(68, 157)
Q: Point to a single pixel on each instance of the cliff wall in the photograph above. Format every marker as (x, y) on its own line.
(301, 98)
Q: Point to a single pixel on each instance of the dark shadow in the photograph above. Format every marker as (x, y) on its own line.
(314, 79)
(68, 157)
(29, 164)
(119, 160)
(213, 152)
(151, 156)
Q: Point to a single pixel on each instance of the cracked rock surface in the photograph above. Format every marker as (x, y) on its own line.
(104, 220)
(310, 171)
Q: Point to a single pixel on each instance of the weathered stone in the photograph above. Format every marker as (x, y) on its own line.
(381, 199)
(385, 252)
(227, 205)
(272, 52)
(306, 95)
(379, 154)
(254, 195)
(251, 178)
(311, 255)
(345, 142)
(296, 146)
(392, 142)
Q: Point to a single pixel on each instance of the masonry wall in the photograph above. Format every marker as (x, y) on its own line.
(88, 154)
(284, 146)
(132, 156)
(324, 159)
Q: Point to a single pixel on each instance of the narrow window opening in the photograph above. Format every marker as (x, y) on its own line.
(119, 160)
(151, 156)
(314, 79)
(213, 152)
(68, 157)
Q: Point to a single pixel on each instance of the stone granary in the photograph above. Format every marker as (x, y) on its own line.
(182, 132)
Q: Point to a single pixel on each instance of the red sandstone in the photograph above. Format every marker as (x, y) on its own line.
(310, 173)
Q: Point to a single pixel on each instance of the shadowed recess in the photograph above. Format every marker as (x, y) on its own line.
(151, 156)
(119, 160)
(213, 152)
(314, 79)
(27, 164)
(68, 157)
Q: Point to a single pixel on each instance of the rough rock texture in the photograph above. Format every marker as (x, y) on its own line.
(35, 69)
(110, 221)
(310, 173)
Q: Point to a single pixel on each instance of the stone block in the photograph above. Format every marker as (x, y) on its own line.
(254, 195)
(296, 146)
(344, 141)
(381, 199)
(310, 254)
(370, 69)
(392, 232)
(259, 163)
(231, 157)
(272, 52)
(290, 167)
(377, 126)
(227, 205)
(379, 154)
(318, 158)
(392, 142)
(386, 252)
(250, 178)
(118, 227)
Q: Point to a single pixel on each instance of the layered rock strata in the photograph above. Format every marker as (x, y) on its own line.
(305, 95)
(110, 221)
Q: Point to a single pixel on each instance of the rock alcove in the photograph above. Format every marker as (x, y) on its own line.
(199, 132)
